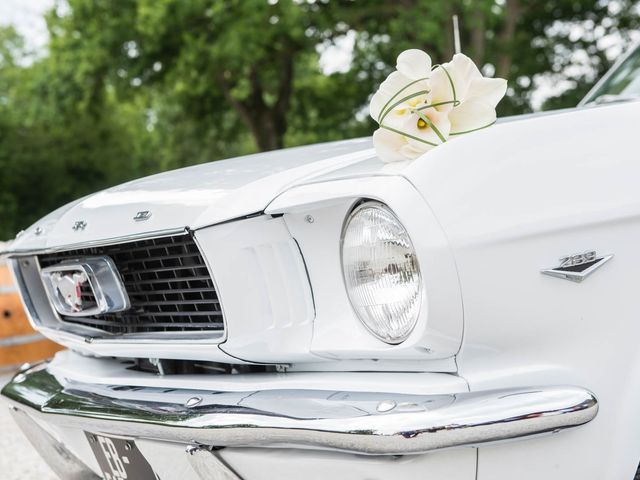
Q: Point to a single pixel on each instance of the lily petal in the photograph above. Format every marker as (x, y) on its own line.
(397, 117)
(388, 145)
(463, 71)
(456, 77)
(491, 90)
(414, 64)
(408, 151)
(472, 114)
(443, 91)
(396, 87)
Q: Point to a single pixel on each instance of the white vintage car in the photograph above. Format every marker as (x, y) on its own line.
(316, 313)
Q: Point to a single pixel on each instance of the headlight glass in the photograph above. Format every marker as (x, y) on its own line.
(381, 272)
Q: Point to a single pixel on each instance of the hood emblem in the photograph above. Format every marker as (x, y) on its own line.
(142, 216)
(79, 225)
(578, 267)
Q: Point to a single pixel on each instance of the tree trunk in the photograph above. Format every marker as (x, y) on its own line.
(265, 133)
(512, 15)
(449, 44)
(267, 124)
(478, 36)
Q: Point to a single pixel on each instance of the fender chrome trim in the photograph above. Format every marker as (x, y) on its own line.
(365, 423)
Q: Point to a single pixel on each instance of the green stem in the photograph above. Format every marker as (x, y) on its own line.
(398, 93)
(474, 130)
(424, 107)
(407, 135)
(402, 100)
(453, 87)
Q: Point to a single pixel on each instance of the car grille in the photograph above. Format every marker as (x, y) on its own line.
(168, 283)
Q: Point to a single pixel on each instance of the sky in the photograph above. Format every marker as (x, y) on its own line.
(27, 17)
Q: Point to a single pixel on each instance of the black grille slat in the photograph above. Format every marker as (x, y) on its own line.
(167, 281)
(178, 302)
(160, 258)
(180, 314)
(171, 269)
(154, 281)
(174, 291)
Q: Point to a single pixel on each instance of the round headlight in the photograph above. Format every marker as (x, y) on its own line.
(381, 272)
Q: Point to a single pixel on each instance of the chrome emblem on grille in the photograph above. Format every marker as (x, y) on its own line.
(578, 267)
(142, 216)
(85, 287)
(68, 288)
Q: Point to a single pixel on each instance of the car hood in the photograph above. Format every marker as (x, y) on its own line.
(535, 176)
(458, 180)
(198, 196)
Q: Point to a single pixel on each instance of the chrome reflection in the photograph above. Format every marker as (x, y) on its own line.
(343, 421)
(64, 463)
(208, 465)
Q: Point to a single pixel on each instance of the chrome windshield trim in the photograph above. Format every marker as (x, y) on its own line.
(588, 98)
(356, 422)
(96, 243)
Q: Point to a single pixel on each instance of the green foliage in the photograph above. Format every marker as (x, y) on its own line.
(131, 87)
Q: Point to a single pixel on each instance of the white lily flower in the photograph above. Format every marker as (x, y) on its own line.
(459, 82)
(408, 136)
(418, 108)
(472, 114)
(392, 147)
(396, 90)
(404, 88)
(394, 105)
(427, 128)
(414, 64)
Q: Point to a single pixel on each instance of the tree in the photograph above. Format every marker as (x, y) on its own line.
(52, 149)
(133, 87)
(246, 66)
(208, 56)
(523, 41)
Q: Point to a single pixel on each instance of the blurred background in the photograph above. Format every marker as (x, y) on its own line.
(96, 92)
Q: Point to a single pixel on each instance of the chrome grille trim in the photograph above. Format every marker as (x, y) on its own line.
(25, 252)
(168, 283)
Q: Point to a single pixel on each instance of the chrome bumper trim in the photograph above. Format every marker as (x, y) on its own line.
(366, 423)
(64, 463)
(208, 464)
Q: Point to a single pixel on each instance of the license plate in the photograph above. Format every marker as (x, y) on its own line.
(120, 459)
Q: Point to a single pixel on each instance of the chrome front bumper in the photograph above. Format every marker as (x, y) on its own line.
(363, 423)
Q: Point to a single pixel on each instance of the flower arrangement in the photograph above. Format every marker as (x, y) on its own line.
(419, 107)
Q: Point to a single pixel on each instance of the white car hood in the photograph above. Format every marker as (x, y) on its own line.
(198, 196)
(449, 178)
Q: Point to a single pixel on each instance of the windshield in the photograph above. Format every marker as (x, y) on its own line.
(622, 84)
